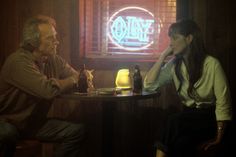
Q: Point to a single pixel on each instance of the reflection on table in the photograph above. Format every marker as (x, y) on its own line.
(116, 95)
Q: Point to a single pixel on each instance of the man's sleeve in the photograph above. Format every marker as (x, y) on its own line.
(65, 69)
(26, 76)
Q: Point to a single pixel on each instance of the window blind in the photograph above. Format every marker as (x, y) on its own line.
(127, 28)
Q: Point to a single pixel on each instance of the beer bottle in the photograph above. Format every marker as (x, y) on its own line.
(82, 82)
(137, 80)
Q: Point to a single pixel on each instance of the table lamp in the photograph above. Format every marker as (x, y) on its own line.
(123, 79)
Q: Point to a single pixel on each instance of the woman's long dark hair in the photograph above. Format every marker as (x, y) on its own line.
(195, 58)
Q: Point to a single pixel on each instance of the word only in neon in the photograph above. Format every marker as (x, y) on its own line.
(131, 28)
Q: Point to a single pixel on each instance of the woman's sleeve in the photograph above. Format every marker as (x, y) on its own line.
(164, 77)
(222, 93)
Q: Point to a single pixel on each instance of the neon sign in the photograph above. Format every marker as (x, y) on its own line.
(132, 28)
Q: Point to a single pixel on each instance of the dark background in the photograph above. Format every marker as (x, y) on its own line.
(136, 127)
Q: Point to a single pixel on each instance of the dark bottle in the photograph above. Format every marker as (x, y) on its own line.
(82, 83)
(137, 80)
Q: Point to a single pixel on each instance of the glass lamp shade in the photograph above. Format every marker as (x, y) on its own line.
(123, 79)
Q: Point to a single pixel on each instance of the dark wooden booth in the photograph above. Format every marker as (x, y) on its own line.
(136, 126)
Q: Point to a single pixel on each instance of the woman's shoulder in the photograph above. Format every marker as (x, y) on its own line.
(211, 61)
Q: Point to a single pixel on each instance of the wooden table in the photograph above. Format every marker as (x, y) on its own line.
(109, 104)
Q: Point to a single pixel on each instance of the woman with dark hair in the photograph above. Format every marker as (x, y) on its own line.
(202, 87)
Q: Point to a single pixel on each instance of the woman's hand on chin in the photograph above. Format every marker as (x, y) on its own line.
(167, 52)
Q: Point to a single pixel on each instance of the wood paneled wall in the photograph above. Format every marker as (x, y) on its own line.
(215, 17)
(13, 13)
